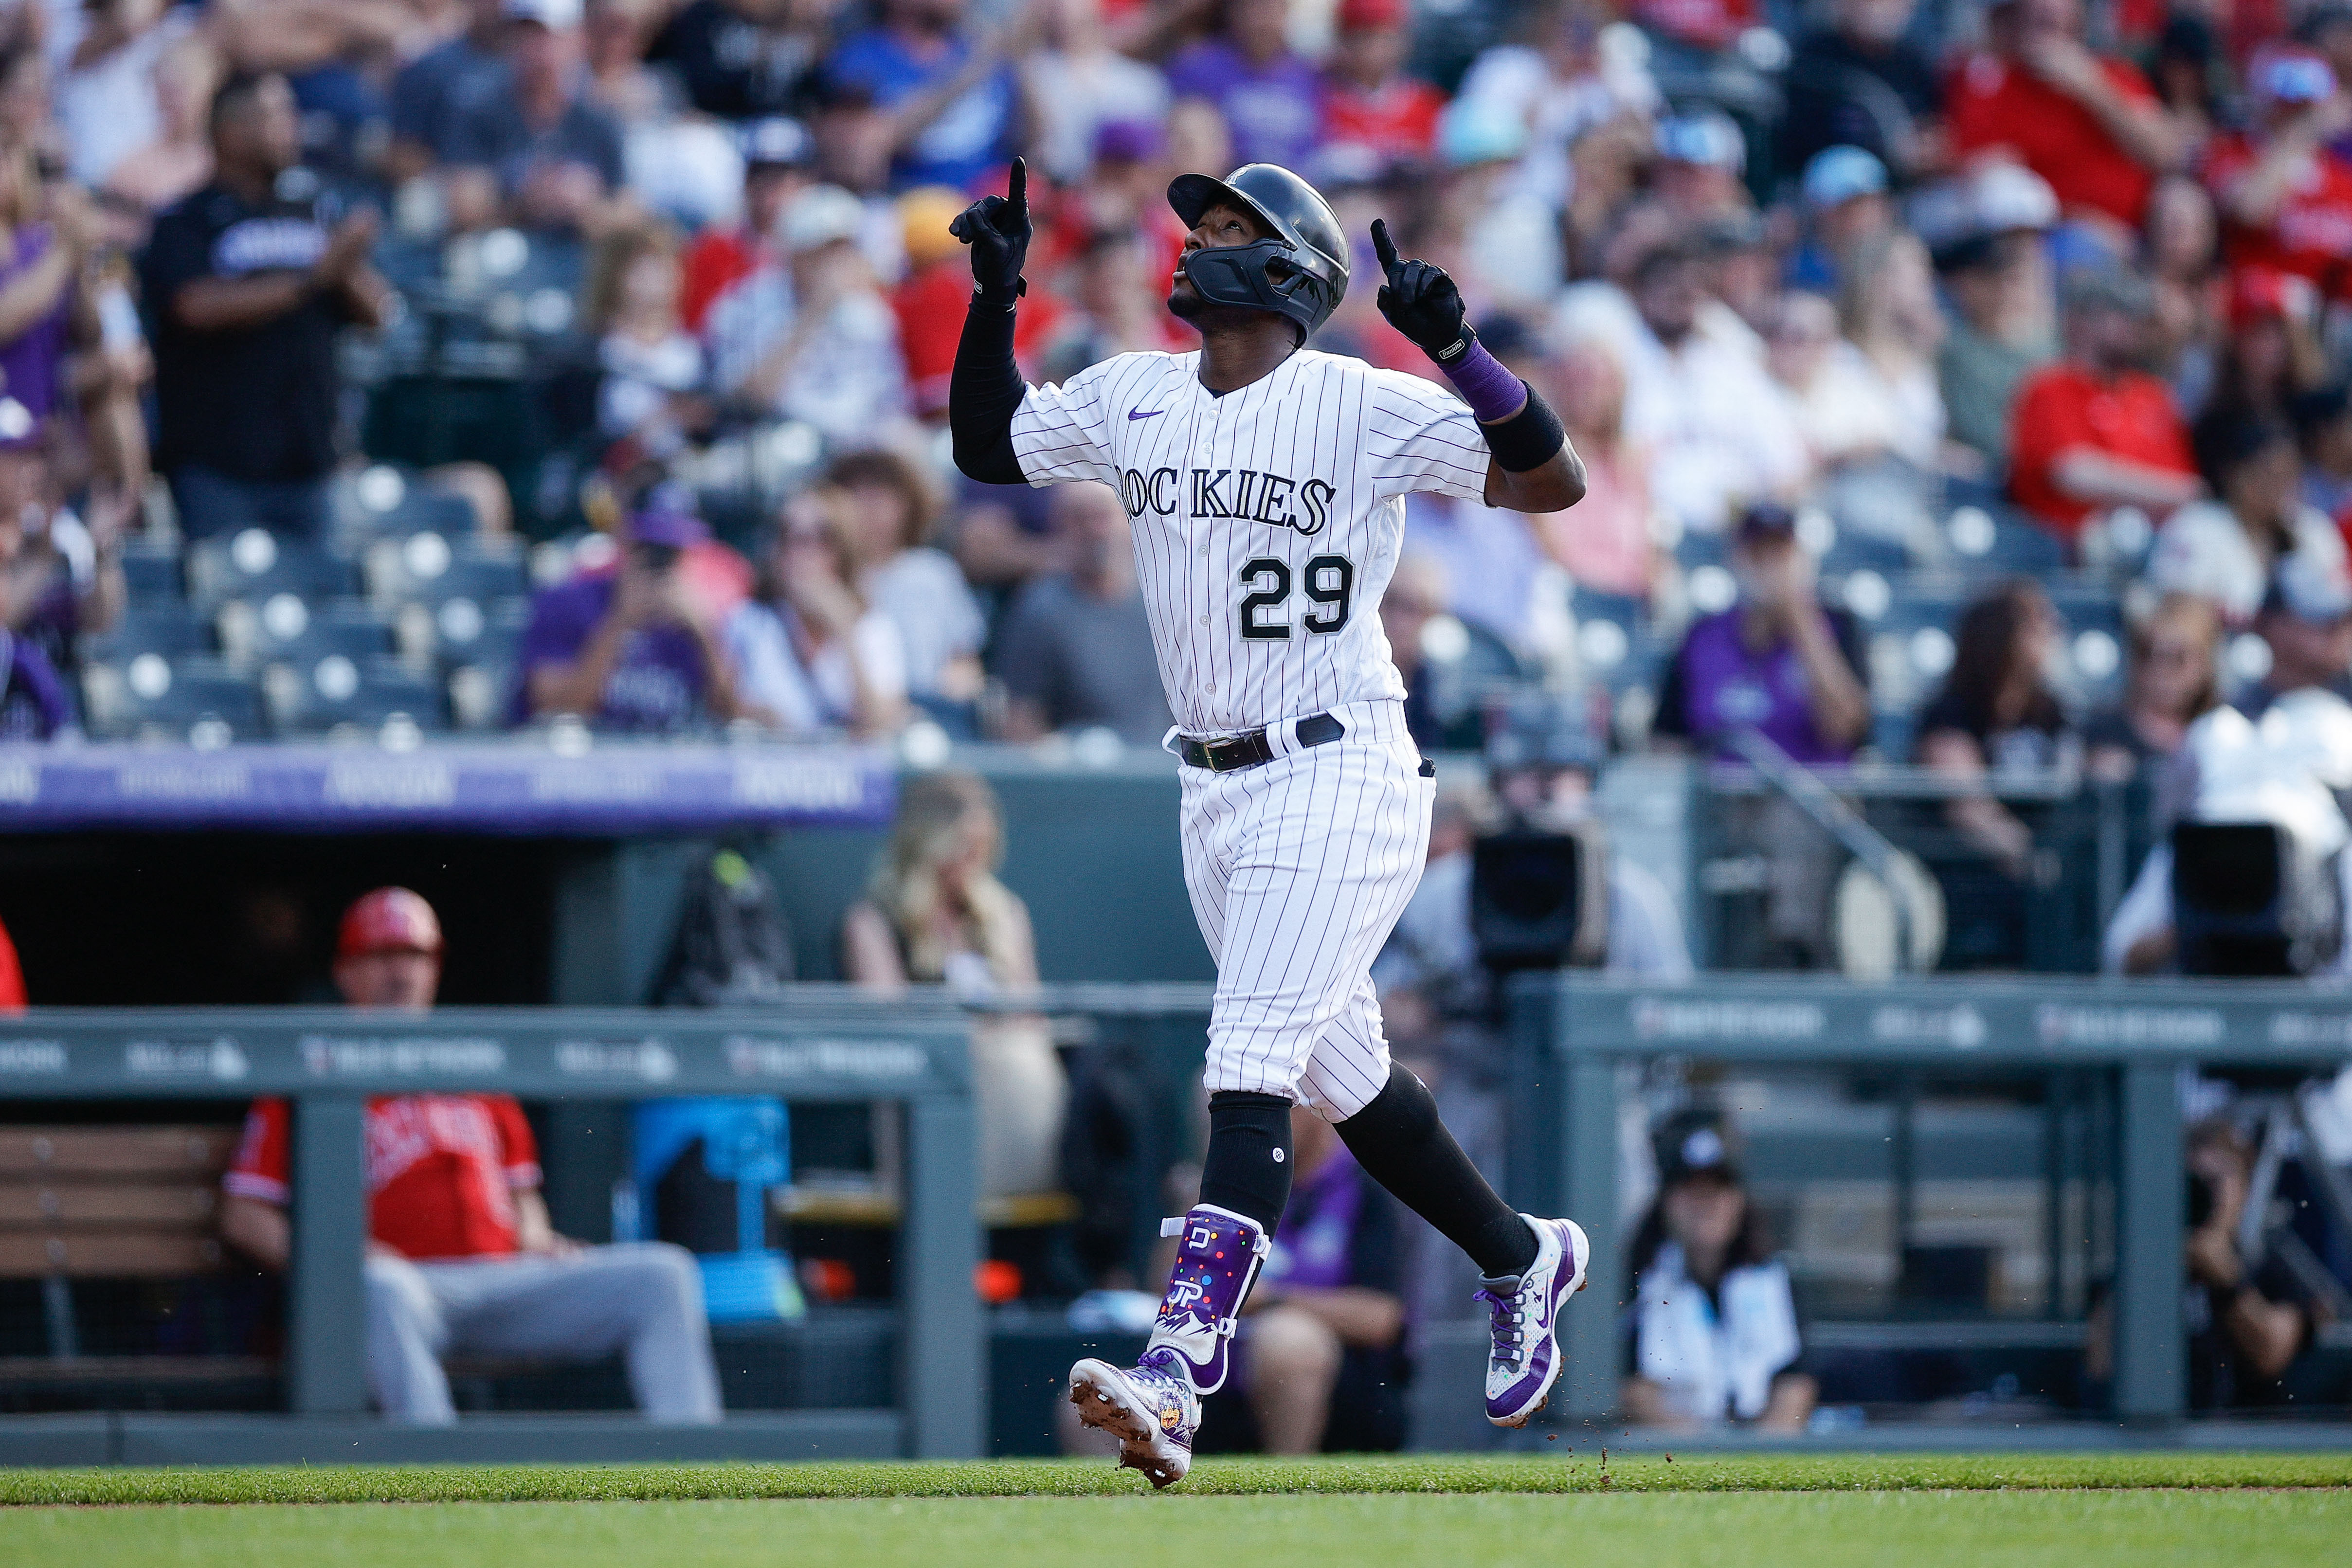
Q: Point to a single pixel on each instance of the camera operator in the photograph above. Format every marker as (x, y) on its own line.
(2247, 1323)
(2258, 858)
(1541, 757)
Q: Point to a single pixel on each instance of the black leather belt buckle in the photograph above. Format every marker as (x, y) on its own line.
(1230, 754)
(1250, 750)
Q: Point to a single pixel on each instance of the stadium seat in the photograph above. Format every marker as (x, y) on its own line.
(1694, 550)
(252, 564)
(338, 693)
(1592, 604)
(478, 648)
(284, 629)
(2092, 650)
(151, 574)
(198, 701)
(526, 285)
(385, 501)
(466, 631)
(1850, 550)
(1995, 539)
(168, 628)
(429, 569)
(1911, 646)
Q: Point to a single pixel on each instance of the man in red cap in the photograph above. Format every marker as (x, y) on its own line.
(462, 1258)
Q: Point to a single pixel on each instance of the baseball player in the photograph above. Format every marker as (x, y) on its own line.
(1266, 483)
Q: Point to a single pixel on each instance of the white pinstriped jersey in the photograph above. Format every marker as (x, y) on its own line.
(1267, 521)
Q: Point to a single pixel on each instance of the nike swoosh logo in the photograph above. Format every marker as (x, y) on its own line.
(1138, 413)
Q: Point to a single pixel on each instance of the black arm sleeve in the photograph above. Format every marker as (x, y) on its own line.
(984, 393)
(1528, 439)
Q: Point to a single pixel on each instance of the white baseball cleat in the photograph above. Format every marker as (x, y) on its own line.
(1525, 1319)
(1150, 1408)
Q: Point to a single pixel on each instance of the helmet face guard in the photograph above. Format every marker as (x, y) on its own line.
(1260, 276)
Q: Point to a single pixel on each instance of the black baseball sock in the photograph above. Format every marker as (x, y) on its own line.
(1402, 1145)
(1247, 1168)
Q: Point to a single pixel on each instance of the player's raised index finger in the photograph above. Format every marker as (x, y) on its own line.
(1383, 247)
(1017, 190)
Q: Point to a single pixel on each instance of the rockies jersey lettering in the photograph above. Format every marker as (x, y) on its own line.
(1267, 521)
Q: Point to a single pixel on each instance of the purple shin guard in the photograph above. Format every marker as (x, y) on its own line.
(1217, 1261)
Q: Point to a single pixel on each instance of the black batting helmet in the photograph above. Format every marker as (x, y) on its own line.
(1300, 274)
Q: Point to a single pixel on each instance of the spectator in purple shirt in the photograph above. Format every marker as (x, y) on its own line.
(33, 702)
(1780, 664)
(629, 651)
(1322, 1364)
(1776, 662)
(1271, 97)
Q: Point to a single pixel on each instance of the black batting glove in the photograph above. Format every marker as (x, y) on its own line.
(998, 229)
(1421, 301)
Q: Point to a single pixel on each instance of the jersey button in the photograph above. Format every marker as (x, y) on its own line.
(1209, 687)
(1204, 620)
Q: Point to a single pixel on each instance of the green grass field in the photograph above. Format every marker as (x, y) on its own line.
(2149, 1510)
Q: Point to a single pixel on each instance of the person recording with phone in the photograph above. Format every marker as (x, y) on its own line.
(632, 650)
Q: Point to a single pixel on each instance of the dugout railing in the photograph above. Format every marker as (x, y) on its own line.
(1571, 1038)
(823, 1047)
(2133, 1041)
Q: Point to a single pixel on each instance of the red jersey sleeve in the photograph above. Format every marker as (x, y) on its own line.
(2048, 418)
(261, 1165)
(518, 1150)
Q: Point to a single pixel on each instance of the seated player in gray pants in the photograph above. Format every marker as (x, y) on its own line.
(462, 1258)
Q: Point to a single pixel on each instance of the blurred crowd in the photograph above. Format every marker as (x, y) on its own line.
(1961, 384)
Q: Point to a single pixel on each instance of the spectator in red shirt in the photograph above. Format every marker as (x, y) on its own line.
(462, 1258)
(2095, 431)
(12, 976)
(2089, 125)
(1369, 102)
(775, 169)
(2285, 194)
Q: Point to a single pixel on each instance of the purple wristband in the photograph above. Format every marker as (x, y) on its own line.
(1492, 391)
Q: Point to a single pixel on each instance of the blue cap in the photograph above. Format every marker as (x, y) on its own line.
(1709, 137)
(1473, 130)
(1839, 175)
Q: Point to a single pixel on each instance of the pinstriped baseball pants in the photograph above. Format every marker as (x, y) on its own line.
(1298, 870)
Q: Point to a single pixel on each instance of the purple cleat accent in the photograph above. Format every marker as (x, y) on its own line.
(1154, 1407)
(1524, 1316)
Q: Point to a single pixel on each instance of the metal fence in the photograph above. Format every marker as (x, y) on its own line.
(826, 1047)
(1569, 1036)
(1571, 1032)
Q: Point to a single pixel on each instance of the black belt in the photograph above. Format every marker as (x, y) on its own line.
(1250, 748)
